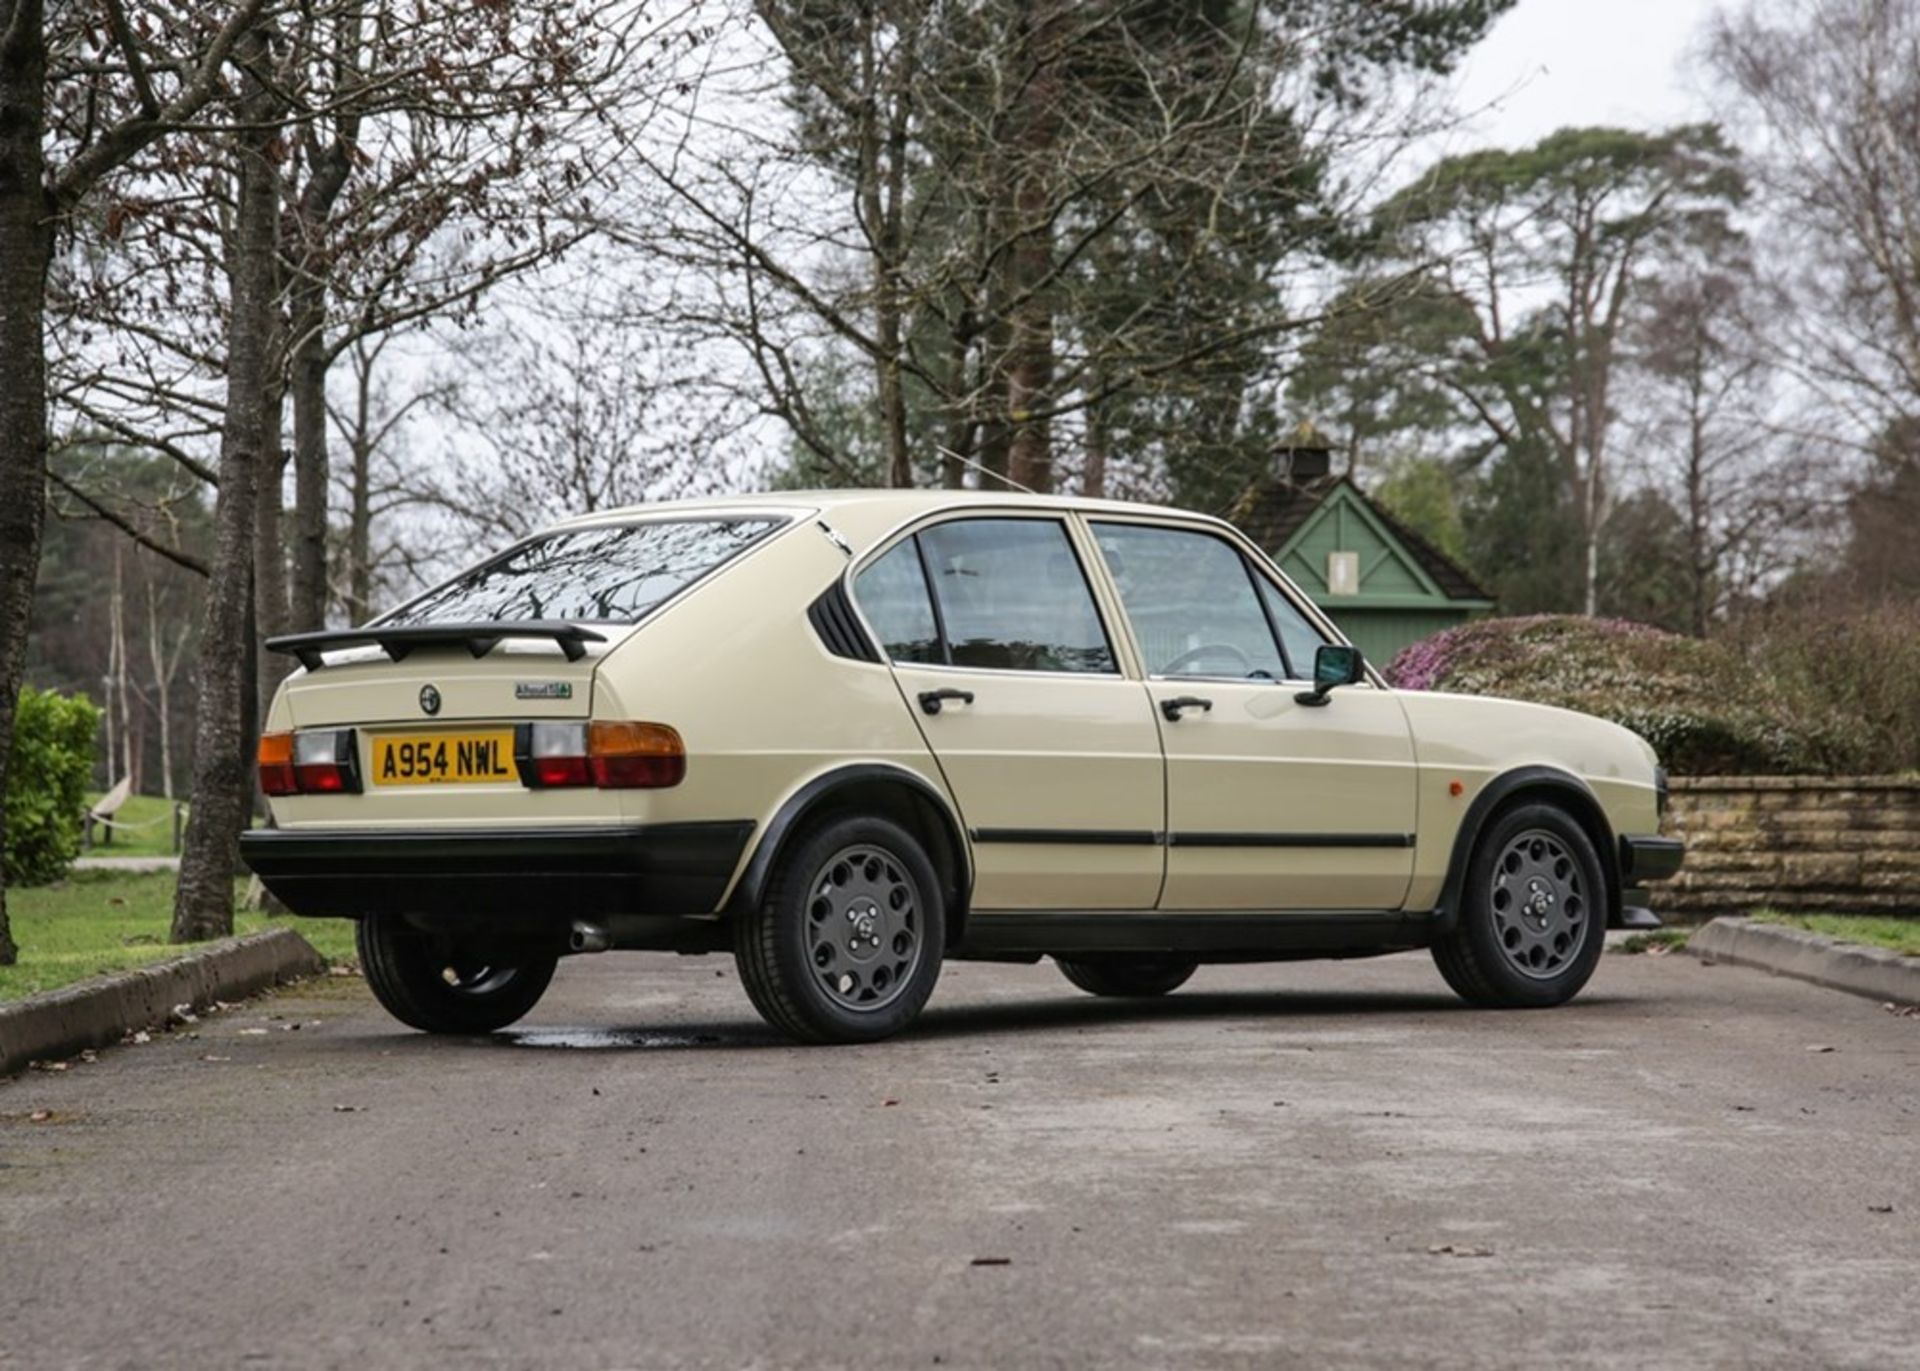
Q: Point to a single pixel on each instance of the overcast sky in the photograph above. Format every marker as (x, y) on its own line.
(1553, 63)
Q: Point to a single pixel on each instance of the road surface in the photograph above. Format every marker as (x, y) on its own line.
(1311, 1165)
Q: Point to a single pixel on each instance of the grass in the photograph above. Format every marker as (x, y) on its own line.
(1901, 935)
(1656, 941)
(98, 921)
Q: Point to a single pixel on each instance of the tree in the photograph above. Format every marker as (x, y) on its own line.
(79, 99)
(1588, 215)
(1831, 92)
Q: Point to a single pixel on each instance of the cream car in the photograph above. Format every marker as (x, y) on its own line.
(848, 736)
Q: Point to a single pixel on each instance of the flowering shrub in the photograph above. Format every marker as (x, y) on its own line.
(1705, 709)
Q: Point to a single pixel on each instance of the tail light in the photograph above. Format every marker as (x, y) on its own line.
(310, 762)
(610, 755)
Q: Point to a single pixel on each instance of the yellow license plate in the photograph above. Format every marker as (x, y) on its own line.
(476, 757)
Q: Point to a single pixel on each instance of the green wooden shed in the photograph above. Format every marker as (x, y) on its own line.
(1383, 583)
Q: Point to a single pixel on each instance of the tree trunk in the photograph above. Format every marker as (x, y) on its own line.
(1030, 370)
(307, 604)
(270, 611)
(26, 245)
(1093, 476)
(162, 689)
(203, 903)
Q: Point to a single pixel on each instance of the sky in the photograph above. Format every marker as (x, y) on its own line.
(1549, 64)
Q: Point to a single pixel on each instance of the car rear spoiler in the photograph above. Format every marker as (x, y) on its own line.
(400, 639)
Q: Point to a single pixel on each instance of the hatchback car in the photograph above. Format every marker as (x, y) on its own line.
(848, 736)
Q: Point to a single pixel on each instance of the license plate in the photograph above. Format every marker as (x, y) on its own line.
(476, 757)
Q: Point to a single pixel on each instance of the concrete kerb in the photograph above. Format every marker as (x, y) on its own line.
(100, 1012)
(1875, 972)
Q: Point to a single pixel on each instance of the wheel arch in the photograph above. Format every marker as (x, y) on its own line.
(1520, 786)
(892, 792)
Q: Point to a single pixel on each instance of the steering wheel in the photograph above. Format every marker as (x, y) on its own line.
(1195, 653)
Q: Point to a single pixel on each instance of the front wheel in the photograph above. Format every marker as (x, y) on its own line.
(437, 988)
(1533, 913)
(847, 944)
(1127, 975)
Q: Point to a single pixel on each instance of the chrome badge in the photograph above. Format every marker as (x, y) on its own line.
(543, 690)
(429, 699)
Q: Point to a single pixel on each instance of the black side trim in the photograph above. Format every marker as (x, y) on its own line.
(401, 639)
(560, 873)
(1290, 840)
(751, 887)
(838, 627)
(1230, 932)
(1649, 858)
(1079, 837)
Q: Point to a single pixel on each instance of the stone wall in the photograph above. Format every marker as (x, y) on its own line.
(1801, 844)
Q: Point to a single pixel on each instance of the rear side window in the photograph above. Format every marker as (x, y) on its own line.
(893, 595)
(613, 574)
(1011, 596)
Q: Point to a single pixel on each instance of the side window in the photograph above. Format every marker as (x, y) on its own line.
(893, 596)
(1192, 603)
(1012, 597)
(1297, 634)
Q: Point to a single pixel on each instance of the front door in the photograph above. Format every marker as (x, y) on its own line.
(1271, 804)
(1049, 750)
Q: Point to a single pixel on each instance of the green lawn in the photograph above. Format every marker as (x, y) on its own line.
(1902, 935)
(97, 921)
(155, 839)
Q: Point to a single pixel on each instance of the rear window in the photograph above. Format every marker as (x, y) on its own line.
(611, 574)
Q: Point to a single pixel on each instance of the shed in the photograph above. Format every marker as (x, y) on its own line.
(1382, 582)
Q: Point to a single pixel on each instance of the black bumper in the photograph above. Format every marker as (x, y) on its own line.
(571, 872)
(1644, 859)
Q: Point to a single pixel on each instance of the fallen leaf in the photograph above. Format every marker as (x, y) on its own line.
(1456, 1249)
(346, 1109)
(1879, 1209)
(1820, 1047)
(209, 1057)
(138, 1038)
(89, 1055)
(46, 1066)
(991, 1261)
(253, 1032)
(40, 1116)
(888, 1104)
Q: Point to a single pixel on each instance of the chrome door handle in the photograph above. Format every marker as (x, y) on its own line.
(930, 699)
(1179, 704)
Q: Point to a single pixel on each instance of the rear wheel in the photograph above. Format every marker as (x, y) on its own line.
(1127, 975)
(847, 944)
(428, 984)
(1533, 913)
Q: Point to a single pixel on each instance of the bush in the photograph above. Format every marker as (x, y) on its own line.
(1705, 708)
(53, 744)
(1859, 664)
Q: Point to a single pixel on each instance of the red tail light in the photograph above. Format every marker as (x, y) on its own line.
(310, 762)
(612, 756)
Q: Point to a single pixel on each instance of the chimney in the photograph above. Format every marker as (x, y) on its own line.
(1305, 457)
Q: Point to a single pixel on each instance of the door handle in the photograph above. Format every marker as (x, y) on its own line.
(1175, 707)
(930, 699)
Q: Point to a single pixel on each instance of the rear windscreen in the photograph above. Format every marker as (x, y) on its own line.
(608, 574)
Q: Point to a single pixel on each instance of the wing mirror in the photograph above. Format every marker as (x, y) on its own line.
(1334, 665)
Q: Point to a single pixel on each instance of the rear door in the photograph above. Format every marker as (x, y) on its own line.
(1271, 804)
(1049, 749)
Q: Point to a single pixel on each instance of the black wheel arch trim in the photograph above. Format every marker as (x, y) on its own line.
(1550, 782)
(751, 887)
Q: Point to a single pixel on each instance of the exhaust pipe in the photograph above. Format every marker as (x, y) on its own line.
(587, 937)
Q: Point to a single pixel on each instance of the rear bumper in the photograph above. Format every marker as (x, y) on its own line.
(564, 873)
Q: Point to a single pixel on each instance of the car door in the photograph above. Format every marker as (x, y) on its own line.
(1050, 751)
(1271, 803)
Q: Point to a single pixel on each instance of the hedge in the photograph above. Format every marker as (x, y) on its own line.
(53, 747)
(1706, 709)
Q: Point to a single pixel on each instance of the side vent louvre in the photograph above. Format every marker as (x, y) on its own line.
(833, 619)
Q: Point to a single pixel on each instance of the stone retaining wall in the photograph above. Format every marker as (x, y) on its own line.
(1841, 844)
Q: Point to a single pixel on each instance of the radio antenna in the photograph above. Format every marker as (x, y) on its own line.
(948, 452)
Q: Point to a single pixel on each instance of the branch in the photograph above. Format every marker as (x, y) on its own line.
(126, 526)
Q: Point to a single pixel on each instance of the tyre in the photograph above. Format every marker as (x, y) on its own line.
(429, 987)
(1128, 975)
(846, 946)
(1533, 913)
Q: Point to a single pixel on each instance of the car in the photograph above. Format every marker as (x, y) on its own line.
(848, 736)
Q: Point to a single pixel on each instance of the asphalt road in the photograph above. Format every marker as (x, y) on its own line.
(1311, 1165)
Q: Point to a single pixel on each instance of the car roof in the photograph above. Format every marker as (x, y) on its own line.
(901, 504)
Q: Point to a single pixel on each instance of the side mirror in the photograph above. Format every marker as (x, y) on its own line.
(1334, 665)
